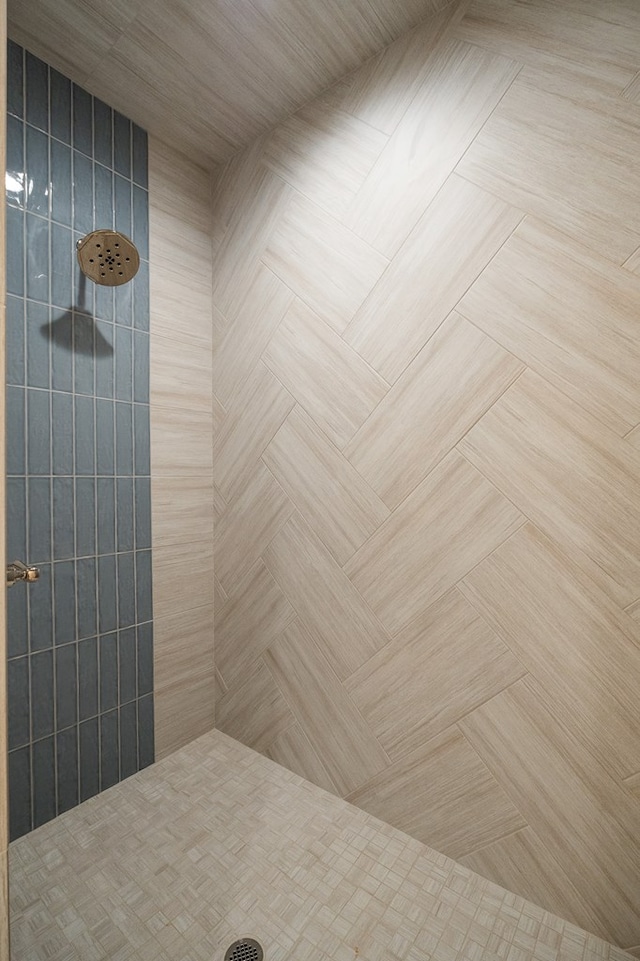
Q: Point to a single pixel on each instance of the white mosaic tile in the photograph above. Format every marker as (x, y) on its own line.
(217, 842)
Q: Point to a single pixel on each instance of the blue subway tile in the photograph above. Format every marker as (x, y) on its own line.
(141, 297)
(38, 432)
(145, 731)
(106, 515)
(124, 438)
(126, 590)
(37, 168)
(61, 270)
(39, 515)
(62, 350)
(82, 121)
(66, 665)
(141, 367)
(85, 516)
(105, 336)
(89, 750)
(82, 193)
(41, 611)
(88, 678)
(37, 258)
(16, 179)
(37, 92)
(140, 156)
(108, 651)
(16, 438)
(123, 304)
(145, 658)
(15, 251)
(19, 701)
(16, 518)
(67, 769)
(37, 346)
(141, 221)
(127, 658)
(86, 598)
(143, 512)
(109, 750)
(102, 132)
(124, 518)
(83, 353)
(64, 588)
(83, 288)
(122, 144)
(124, 364)
(141, 418)
(108, 597)
(103, 180)
(62, 433)
(44, 781)
(15, 346)
(15, 79)
(20, 821)
(61, 180)
(104, 309)
(60, 94)
(42, 702)
(105, 447)
(84, 435)
(17, 623)
(123, 215)
(144, 598)
(63, 518)
(128, 740)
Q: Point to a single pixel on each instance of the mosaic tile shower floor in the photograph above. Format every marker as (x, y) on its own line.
(217, 842)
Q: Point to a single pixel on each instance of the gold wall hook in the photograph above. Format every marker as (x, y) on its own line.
(17, 571)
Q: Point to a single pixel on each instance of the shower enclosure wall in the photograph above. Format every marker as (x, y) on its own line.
(78, 506)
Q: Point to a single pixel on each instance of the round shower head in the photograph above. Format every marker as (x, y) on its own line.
(108, 257)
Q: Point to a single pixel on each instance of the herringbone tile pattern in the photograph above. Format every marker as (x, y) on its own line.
(428, 544)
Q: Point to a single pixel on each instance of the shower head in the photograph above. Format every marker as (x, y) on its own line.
(107, 257)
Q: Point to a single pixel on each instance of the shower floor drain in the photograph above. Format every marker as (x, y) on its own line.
(246, 949)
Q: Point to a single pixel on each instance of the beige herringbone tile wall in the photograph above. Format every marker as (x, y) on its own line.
(427, 466)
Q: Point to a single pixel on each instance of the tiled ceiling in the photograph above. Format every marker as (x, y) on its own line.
(209, 75)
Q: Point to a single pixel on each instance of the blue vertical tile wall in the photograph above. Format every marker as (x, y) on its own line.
(81, 639)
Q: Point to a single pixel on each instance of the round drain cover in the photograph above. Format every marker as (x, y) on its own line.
(246, 949)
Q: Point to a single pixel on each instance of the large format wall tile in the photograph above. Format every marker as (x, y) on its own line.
(568, 474)
(450, 384)
(431, 674)
(591, 194)
(417, 794)
(254, 616)
(255, 517)
(589, 822)
(253, 418)
(329, 493)
(329, 379)
(331, 609)
(580, 647)
(450, 404)
(438, 534)
(325, 264)
(342, 740)
(550, 302)
(254, 708)
(458, 93)
(520, 862)
(450, 245)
